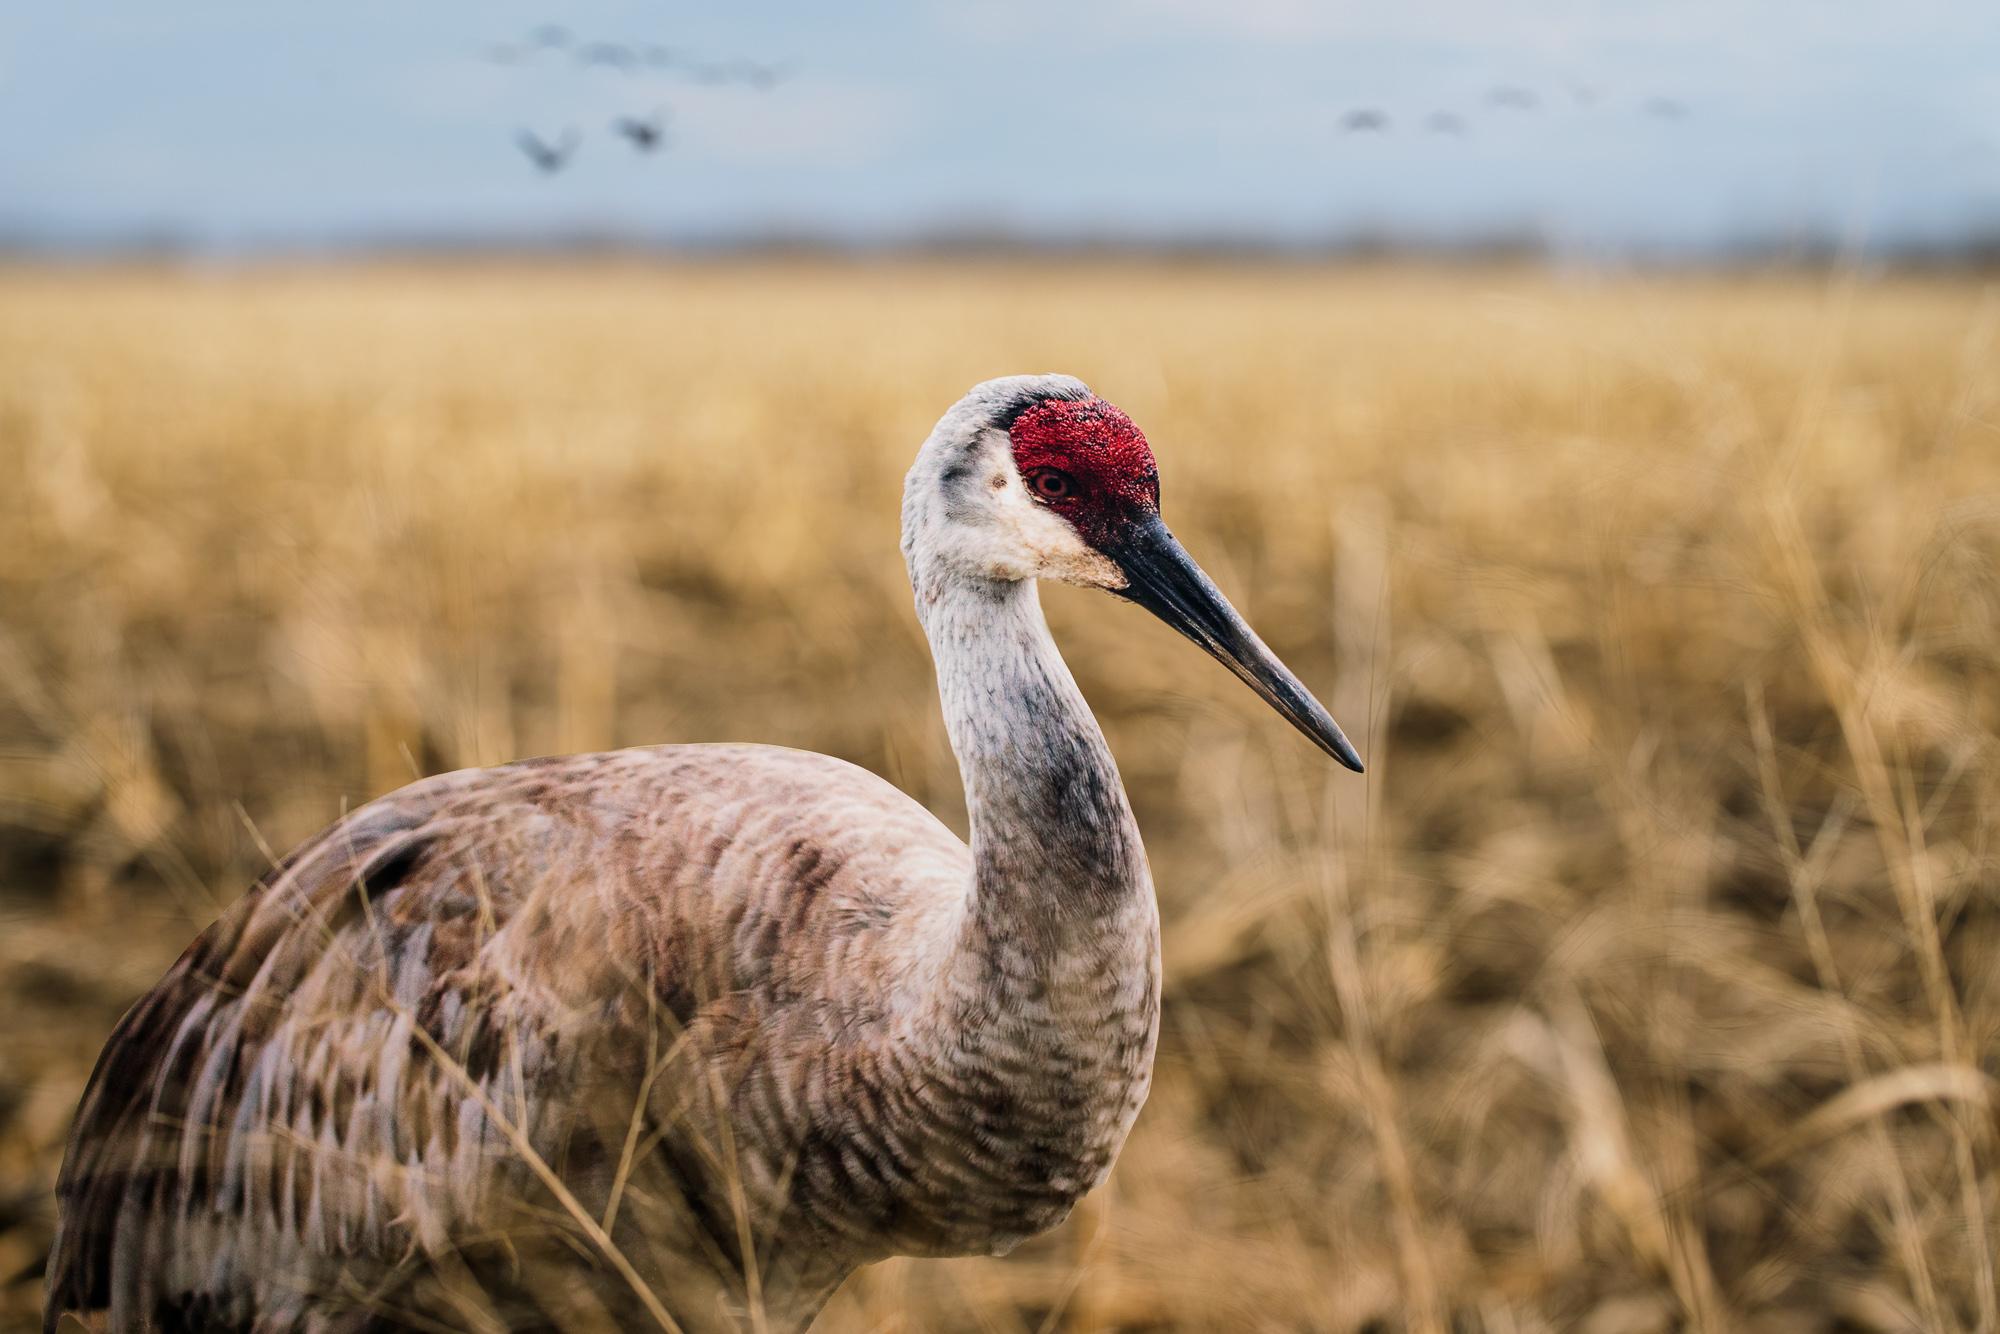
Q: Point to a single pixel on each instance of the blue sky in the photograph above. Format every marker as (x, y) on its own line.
(244, 123)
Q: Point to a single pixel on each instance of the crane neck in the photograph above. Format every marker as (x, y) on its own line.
(1052, 834)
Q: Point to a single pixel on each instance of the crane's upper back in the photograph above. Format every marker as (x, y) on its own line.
(765, 863)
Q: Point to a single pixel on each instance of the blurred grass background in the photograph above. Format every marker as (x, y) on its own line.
(1650, 981)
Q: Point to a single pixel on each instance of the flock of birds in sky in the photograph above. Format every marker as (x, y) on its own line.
(644, 131)
(1503, 98)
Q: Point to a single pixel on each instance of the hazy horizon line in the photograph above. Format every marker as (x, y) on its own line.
(1976, 246)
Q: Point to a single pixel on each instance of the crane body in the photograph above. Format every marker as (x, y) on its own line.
(679, 1036)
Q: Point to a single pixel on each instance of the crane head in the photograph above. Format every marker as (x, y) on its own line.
(1037, 477)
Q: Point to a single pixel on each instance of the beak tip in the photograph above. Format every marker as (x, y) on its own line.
(1163, 579)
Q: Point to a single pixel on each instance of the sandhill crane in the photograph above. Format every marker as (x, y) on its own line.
(549, 158)
(646, 133)
(698, 1029)
(1365, 120)
(740, 69)
(547, 37)
(609, 55)
(1445, 122)
(760, 76)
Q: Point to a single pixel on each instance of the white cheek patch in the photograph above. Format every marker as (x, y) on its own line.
(970, 509)
(1041, 543)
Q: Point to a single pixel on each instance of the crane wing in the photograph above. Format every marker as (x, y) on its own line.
(345, 1071)
(435, 1025)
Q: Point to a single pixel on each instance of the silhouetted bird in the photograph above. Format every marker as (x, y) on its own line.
(748, 72)
(608, 54)
(549, 158)
(1516, 99)
(548, 37)
(646, 134)
(1665, 108)
(660, 57)
(1364, 120)
(1445, 122)
(761, 77)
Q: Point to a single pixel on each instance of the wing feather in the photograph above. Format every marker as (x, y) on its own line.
(304, 1110)
(246, 1124)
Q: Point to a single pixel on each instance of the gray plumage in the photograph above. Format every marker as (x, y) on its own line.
(674, 1036)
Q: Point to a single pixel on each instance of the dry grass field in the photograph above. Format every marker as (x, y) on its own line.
(1649, 981)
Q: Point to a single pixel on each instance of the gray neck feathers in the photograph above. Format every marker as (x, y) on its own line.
(1052, 834)
(1053, 837)
(1048, 1001)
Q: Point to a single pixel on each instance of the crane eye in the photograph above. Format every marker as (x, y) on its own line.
(1051, 484)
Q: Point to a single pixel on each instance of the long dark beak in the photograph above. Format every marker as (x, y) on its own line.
(1163, 578)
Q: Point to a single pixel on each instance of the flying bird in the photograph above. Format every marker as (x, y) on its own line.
(549, 158)
(647, 133)
(1364, 120)
(1445, 122)
(750, 73)
(609, 55)
(1513, 98)
(548, 37)
(759, 76)
(680, 1036)
(1665, 108)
